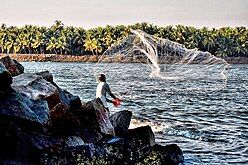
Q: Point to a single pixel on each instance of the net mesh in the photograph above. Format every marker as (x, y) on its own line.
(166, 59)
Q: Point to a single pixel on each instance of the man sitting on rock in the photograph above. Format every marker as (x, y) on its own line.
(101, 91)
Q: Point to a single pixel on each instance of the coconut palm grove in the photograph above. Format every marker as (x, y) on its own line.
(69, 40)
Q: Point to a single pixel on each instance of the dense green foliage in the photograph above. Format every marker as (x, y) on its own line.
(60, 39)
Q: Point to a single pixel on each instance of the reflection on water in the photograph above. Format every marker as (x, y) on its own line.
(209, 122)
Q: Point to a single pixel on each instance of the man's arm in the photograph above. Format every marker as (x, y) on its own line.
(116, 101)
(110, 93)
(110, 101)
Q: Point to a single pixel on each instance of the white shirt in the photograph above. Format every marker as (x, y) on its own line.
(101, 91)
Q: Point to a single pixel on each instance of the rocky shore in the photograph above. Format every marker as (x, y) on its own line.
(44, 124)
(95, 58)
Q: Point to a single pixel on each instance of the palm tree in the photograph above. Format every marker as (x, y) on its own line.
(61, 44)
(78, 41)
(51, 47)
(92, 45)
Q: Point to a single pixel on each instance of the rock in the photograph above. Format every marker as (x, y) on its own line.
(43, 142)
(140, 141)
(74, 141)
(46, 75)
(167, 155)
(5, 81)
(75, 102)
(83, 154)
(63, 122)
(90, 136)
(114, 140)
(17, 143)
(13, 66)
(35, 87)
(53, 100)
(141, 136)
(119, 152)
(18, 108)
(5, 76)
(67, 98)
(64, 96)
(99, 115)
(121, 121)
(136, 144)
(32, 145)
(9, 139)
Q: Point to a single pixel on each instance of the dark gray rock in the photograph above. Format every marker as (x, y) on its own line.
(5, 76)
(97, 117)
(33, 86)
(140, 141)
(74, 141)
(9, 139)
(84, 154)
(46, 75)
(13, 66)
(36, 87)
(168, 155)
(64, 96)
(141, 136)
(17, 106)
(121, 121)
(62, 122)
(26, 146)
(5, 81)
(90, 136)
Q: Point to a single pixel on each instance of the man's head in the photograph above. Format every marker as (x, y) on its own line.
(102, 78)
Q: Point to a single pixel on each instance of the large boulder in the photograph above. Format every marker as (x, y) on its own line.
(5, 81)
(90, 136)
(97, 115)
(36, 87)
(9, 139)
(33, 86)
(82, 154)
(13, 66)
(140, 139)
(141, 136)
(63, 122)
(138, 150)
(65, 97)
(23, 145)
(17, 107)
(46, 75)
(121, 121)
(168, 155)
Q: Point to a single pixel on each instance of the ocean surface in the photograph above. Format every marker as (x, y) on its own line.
(207, 118)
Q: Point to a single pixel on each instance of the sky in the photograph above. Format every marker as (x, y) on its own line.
(94, 13)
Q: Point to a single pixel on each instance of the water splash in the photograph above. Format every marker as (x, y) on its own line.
(157, 127)
(166, 60)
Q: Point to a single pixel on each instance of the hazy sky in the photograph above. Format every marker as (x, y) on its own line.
(93, 13)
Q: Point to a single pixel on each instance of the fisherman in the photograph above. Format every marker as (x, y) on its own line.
(101, 91)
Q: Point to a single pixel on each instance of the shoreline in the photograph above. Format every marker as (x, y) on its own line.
(89, 58)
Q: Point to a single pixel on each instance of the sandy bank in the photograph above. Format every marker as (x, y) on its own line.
(92, 58)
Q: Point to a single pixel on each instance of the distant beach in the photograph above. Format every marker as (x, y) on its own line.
(90, 58)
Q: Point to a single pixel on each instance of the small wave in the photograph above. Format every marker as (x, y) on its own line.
(193, 134)
(157, 127)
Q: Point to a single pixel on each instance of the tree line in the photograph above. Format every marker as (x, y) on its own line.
(60, 39)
